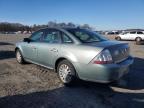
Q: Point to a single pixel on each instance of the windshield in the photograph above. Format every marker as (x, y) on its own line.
(86, 36)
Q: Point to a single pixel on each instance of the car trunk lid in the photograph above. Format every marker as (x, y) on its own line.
(119, 50)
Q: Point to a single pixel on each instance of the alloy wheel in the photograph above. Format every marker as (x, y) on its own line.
(65, 73)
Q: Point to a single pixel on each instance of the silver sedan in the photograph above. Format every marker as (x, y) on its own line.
(76, 53)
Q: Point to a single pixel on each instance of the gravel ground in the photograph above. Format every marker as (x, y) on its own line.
(31, 86)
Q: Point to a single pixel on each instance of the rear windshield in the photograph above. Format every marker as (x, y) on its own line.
(86, 36)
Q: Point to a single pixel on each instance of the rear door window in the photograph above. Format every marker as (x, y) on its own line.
(132, 32)
(51, 36)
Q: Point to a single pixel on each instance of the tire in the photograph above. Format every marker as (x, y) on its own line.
(118, 38)
(19, 57)
(138, 40)
(66, 72)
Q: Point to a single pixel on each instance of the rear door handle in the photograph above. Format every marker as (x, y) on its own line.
(54, 50)
(33, 47)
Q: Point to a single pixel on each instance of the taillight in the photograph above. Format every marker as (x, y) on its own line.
(103, 58)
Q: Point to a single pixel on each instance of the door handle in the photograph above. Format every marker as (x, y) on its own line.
(33, 47)
(54, 50)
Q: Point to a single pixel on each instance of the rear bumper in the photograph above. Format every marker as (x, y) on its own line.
(103, 73)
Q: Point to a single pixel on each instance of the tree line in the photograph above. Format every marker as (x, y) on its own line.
(14, 27)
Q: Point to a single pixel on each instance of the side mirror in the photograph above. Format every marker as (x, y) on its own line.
(27, 40)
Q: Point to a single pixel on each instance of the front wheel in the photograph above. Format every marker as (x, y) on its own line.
(118, 38)
(66, 72)
(19, 57)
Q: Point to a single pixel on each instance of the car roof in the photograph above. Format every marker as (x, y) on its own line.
(65, 29)
(60, 28)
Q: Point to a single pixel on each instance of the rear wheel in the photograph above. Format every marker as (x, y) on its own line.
(118, 38)
(138, 40)
(66, 72)
(19, 57)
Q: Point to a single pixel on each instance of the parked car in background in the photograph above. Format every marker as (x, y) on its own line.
(76, 53)
(112, 33)
(136, 36)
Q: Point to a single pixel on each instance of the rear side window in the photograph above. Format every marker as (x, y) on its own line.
(140, 33)
(52, 36)
(66, 38)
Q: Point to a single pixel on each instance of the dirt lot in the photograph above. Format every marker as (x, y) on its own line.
(31, 86)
